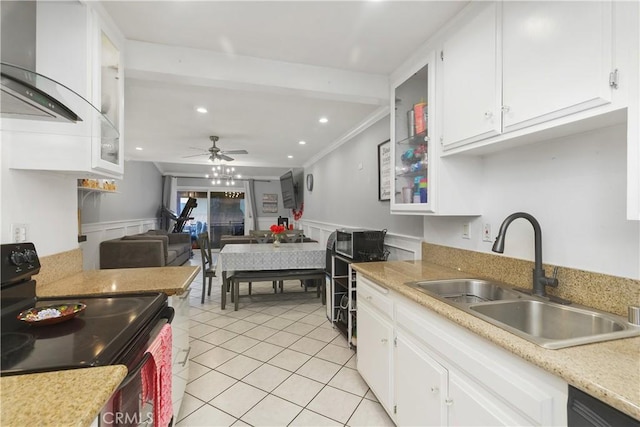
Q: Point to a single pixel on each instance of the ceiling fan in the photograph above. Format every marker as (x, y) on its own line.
(216, 153)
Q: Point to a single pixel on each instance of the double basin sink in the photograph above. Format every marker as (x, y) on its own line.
(539, 320)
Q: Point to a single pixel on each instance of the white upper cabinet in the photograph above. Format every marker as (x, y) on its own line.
(556, 59)
(79, 50)
(472, 101)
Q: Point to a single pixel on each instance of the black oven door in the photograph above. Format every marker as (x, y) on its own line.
(126, 407)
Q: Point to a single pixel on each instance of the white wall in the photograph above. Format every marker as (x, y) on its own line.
(575, 187)
(45, 201)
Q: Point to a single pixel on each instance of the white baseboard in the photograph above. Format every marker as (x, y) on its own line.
(100, 231)
(401, 247)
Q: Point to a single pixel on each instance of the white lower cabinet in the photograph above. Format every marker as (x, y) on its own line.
(375, 347)
(438, 373)
(420, 385)
(180, 349)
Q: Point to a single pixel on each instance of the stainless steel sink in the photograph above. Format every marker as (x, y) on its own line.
(538, 320)
(553, 325)
(466, 291)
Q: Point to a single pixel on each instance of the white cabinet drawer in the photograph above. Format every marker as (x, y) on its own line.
(374, 295)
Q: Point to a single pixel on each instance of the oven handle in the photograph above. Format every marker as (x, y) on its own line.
(168, 313)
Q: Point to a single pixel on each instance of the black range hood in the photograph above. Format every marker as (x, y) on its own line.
(29, 95)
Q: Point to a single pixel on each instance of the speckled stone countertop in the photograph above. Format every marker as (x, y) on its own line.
(609, 371)
(170, 280)
(62, 398)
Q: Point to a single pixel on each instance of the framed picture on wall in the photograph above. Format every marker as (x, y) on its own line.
(384, 170)
(269, 203)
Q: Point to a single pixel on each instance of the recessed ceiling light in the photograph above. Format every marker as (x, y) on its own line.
(323, 120)
(302, 142)
(238, 176)
(139, 148)
(206, 176)
(201, 110)
(289, 156)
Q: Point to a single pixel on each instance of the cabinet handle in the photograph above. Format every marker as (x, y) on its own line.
(368, 298)
(488, 115)
(448, 402)
(384, 340)
(506, 108)
(435, 390)
(186, 357)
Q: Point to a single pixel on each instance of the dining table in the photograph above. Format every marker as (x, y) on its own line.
(267, 256)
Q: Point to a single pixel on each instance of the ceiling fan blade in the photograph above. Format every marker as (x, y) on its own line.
(197, 148)
(234, 152)
(223, 157)
(195, 155)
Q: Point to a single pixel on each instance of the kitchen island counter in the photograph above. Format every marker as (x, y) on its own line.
(608, 370)
(169, 280)
(62, 398)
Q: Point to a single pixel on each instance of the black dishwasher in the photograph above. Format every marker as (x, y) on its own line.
(585, 410)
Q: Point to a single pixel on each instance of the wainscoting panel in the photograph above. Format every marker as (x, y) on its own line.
(401, 247)
(100, 231)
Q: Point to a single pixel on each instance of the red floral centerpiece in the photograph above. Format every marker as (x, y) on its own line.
(277, 231)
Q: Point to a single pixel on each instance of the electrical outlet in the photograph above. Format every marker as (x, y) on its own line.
(465, 231)
(486, 233)
(19, 233)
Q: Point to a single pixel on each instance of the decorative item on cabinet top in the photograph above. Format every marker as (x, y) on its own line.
(105, 185)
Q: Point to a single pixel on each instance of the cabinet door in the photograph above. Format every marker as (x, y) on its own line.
(471, 405)
(556, 59)
(180, 348)
(375, 335)
(420, 386)
(471, 81)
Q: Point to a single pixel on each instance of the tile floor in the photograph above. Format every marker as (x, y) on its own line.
(276, 361)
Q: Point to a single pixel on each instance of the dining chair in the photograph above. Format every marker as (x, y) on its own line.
(208, 267)
(293, 236)
(260, 236)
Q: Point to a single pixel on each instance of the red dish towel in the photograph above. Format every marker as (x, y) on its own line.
(156, 377)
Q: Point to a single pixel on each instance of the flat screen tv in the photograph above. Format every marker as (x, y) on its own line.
(289, 191)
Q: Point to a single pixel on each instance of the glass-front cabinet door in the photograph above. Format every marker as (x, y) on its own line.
(412, 103)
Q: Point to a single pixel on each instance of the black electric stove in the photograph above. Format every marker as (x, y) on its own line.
(113, 329)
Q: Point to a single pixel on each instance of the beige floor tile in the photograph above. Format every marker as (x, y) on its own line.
(197, 330)
(289, 360)
(272, 411)
(275, 310)
(238, 399)
(240, 327)
(336, 404)
(260, 332)
(278, 323)
(315, 320)
(298, 389)
(239, 343)
(189, 405)
(198, 347)
(293, 315)
(353, 362)
(221, 321)
(218, 337)
(368, 414)
(207, 416)
(196, 370)
(299, 328)
(283, 339)
(308, 418)
(258, 318)
(322, 334)
(210, 385)
(239, 367)
(263, 351)
(335, 354)
(371, 396)
(319, 370)
(307, 345)
(348, 379)
(266, 377)
(214, 357)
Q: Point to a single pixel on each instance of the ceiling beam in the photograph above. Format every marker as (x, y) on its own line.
(150, 61)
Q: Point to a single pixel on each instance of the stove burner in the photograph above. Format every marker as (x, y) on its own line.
(14, 347)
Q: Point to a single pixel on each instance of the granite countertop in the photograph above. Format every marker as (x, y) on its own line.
(63, 398)
(170, 280)
(609, 371)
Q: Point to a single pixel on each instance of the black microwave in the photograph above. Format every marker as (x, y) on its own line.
(361, 245)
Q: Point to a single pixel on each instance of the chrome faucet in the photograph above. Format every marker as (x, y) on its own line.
(540, 281)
